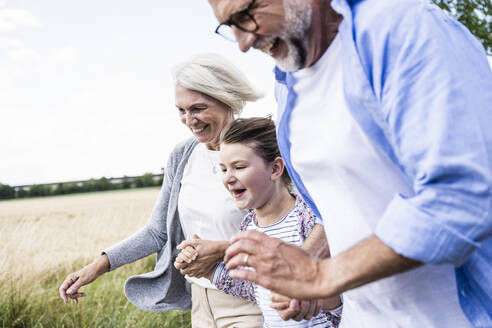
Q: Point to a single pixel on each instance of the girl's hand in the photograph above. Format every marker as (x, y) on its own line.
(208, 254)
(186, 256)
(289, 308)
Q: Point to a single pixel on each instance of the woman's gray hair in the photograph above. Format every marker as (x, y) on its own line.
(216, 77)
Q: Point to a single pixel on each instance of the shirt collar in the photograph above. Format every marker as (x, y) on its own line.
(285, 78)
(280, 75)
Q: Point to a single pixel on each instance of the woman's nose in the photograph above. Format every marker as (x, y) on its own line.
(188, 118)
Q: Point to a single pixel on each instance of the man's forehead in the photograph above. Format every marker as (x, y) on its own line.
(224, 8)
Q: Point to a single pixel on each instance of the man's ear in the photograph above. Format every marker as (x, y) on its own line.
(278, 168)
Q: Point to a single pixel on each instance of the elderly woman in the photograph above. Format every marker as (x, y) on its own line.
(209, 92)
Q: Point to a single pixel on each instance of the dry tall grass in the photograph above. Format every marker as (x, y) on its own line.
(44, 239)
(45, 234)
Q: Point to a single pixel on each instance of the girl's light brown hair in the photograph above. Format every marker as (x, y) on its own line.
(259, 134)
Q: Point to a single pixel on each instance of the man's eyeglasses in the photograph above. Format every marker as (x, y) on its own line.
(242, 19)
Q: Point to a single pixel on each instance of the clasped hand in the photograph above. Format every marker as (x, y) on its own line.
(198, 257)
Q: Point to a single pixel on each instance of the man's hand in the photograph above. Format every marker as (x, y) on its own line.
(317, 246)
(289, 271)
(279, 267)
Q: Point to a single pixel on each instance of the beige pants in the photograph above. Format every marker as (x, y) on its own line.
(212, 308)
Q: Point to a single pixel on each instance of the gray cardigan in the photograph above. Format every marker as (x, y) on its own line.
(164, 288)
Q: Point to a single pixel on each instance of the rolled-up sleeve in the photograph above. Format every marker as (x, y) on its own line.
(435, 88)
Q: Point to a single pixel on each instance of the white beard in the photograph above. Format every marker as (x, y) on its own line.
(298, 14)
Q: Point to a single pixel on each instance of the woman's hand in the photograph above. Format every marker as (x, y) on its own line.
(199, 257)
(70, 287)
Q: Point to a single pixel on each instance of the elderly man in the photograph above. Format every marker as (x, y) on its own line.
(385, 127)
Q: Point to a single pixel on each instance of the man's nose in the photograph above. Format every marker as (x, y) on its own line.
(244, 39)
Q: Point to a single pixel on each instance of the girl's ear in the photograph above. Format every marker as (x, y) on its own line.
(278, 168)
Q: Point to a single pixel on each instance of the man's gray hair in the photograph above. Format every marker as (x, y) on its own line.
(215, 76)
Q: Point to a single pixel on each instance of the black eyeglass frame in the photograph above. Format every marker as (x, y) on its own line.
(232, 21)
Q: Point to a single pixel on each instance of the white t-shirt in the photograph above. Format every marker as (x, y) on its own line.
(357, 183)
(287, 230)
(205, 207)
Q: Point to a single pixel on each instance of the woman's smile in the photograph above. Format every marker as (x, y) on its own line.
(203, 115)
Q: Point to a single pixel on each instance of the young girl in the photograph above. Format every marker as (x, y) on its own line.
(254, 174)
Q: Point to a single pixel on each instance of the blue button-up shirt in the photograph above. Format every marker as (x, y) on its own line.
(420, 86)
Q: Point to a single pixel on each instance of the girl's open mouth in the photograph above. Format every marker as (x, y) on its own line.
(237, 193)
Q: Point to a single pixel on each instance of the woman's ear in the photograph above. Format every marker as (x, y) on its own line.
(278, 168)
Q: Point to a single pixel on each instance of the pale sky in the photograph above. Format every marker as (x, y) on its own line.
(85, 86)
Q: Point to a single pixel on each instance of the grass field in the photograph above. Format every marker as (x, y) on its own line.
(44, 239)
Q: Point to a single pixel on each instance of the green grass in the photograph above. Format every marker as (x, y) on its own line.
(37, 303)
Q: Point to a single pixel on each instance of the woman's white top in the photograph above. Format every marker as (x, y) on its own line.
(351, 183)
(205, 206)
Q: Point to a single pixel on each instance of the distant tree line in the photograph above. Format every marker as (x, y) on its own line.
(63, 188)
(476, 15)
